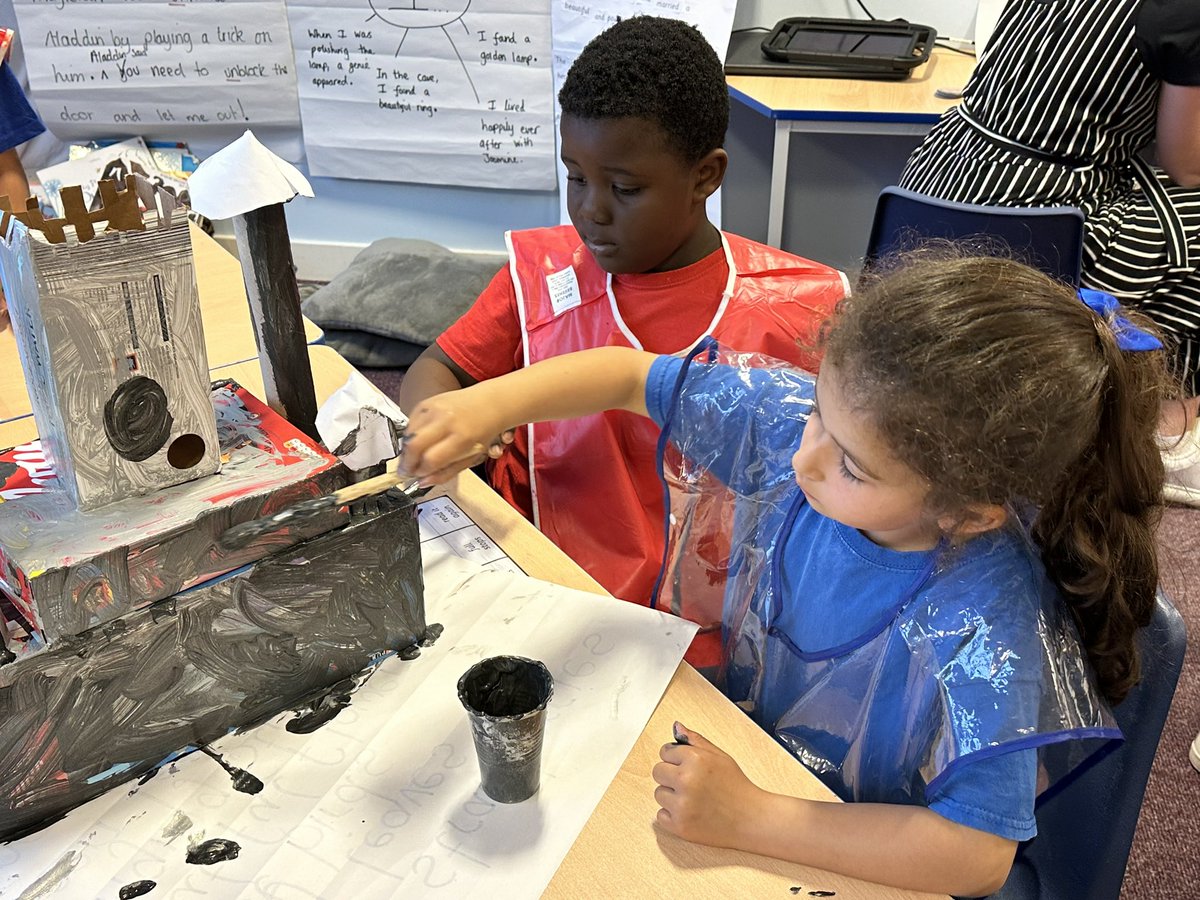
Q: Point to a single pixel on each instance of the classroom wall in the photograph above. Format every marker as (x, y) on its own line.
(830, 172)
(839, 172)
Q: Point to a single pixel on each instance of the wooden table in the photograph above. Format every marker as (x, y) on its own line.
(620, 852)
(228, 334)
(846, 106)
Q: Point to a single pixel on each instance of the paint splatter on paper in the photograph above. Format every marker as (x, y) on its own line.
(229, 656)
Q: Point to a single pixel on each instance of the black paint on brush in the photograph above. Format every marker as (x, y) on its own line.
(213, 851)
(136, 889)
(243, 781)
(240, 535)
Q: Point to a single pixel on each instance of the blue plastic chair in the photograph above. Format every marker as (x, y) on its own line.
(1086, 828)
(1049, 238)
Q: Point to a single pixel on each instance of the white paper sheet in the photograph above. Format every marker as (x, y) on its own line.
(158, 69)
(358, 406)
(455, 93)
(244, 176)
(575, 23)
(384, 800)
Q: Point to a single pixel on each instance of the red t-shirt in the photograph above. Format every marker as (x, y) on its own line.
(667, 311)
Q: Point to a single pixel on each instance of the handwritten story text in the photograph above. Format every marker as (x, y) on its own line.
(458, 94)
(150, 68)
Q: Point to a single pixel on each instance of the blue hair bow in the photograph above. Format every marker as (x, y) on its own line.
(1129, 336)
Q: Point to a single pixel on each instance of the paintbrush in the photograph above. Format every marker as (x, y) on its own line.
(240, 535)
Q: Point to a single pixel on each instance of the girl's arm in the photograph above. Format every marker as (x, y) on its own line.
(1178, 133)
(705, 797)
(447, 431)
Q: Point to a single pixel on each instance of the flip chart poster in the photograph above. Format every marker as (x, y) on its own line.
(455, 92)
(156, 68)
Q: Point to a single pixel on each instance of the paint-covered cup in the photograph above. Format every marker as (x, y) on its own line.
(505, 698)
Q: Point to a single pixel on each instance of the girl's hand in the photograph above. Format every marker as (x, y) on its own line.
(703, 794)
(450, 432)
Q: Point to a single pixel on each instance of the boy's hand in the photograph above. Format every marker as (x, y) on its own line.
(703, 794)
(450, 432)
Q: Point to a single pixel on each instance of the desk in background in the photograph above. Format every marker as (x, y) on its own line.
(228, 334)
(846, 106)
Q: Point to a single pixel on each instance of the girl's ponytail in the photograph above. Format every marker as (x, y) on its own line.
(1097, 530)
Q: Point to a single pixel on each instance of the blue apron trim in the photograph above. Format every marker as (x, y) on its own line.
(873, 631)
(1033, 742)
(708, 346)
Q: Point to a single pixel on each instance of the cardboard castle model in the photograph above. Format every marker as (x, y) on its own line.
(130, 635)
(108, 328)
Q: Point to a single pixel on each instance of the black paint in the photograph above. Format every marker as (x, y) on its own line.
(323, 709)
(239, 536)
(235, 654)
(822, 893)
(213, 851)
(274, 296)
(243, 781)
(136, 889)
(505, 698)
(137, 420)
(505, 686)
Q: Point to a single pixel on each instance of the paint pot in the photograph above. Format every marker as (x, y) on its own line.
(505, 698)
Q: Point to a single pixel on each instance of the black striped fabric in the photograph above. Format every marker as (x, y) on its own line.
(1058, 108)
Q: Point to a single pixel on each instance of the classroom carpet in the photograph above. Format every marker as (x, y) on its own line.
(1164, 863)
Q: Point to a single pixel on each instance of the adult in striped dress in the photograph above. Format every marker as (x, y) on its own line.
(1064, 99)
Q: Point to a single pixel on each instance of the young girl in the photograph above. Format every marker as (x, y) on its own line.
(929, 547)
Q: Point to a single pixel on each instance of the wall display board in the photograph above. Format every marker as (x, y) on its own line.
(159, 69)
(454, 93)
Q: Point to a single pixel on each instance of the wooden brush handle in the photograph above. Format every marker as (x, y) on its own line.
(376, 485)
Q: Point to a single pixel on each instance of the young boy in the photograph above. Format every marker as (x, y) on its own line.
(644, 113)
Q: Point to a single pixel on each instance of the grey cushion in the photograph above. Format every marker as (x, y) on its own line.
(396, 297)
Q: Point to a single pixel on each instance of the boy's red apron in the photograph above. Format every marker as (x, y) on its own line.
(594, 481)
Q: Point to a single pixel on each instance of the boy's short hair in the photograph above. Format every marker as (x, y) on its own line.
(662, 70)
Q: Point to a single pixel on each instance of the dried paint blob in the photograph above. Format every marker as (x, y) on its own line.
(243, 781)
(213, 851)
(137, 889)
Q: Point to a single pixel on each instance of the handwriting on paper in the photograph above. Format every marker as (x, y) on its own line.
(150, 68)
(457, 94)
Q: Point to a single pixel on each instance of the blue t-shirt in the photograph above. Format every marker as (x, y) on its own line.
(839, 586)
(18, 121)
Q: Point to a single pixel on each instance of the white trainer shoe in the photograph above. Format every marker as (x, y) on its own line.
(1194, 753)
(1181, 458)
